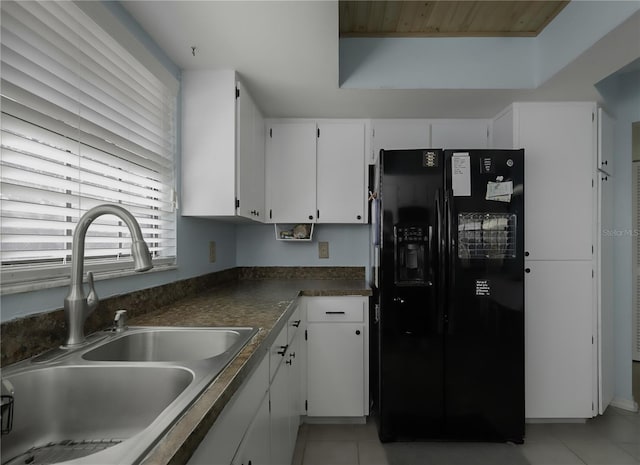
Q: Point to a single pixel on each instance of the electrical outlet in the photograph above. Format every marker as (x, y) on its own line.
(212, 251)
(323, 250)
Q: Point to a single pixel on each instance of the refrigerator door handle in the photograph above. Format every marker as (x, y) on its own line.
(441, 251)
(451, 261)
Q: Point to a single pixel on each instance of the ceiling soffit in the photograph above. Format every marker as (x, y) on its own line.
(398, 18)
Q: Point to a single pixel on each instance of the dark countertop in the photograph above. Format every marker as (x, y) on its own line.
(266, 304)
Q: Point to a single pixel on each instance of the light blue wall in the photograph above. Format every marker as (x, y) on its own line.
(482, 62)
(193, 234)
(622, 99)
(578, 26)
(348, 246)
(435, 63)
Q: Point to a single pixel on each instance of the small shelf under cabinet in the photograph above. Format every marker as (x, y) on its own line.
(288, 232)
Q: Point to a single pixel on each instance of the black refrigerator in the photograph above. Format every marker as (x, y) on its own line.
(449, 231)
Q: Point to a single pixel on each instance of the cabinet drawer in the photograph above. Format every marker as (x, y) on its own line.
(293, 324)
(277, 352)
(332, 309)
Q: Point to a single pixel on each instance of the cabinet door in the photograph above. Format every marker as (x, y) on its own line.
(208, 143)
(559, 145)
(280, 418)
(604, 250)
(335, 369)
(221, 442)
(460, 134)
(502, 130)
(255, 447)
(559, 361)
(606, 141)
(295, 384)
(340, 173)
(291, 172)
(390, 134)
(250, 157)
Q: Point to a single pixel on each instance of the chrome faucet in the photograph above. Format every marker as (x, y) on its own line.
(77, 305)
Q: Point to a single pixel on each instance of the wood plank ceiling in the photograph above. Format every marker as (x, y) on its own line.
(446, 18)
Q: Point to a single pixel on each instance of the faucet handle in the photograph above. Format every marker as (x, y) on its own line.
(120, 321)
(92, 298)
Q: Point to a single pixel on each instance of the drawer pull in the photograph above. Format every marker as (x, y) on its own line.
(296, 323)
(335, 313)
(283, 350)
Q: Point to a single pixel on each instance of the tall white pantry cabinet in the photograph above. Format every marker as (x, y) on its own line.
(568, 337)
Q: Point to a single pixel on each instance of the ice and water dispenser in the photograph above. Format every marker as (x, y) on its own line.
(411, 243)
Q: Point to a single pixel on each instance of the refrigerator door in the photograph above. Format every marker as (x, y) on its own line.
(410, 397)
(484, 343)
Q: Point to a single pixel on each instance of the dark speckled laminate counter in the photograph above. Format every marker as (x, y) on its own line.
(266, 304)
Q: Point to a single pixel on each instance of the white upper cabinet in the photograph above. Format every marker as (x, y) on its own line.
(291, 172)
(559, 140)
(341, 193)
(399, 134)
(460, 134)
(222, 148)
(250, 157)
(208, 143)
(315, 168)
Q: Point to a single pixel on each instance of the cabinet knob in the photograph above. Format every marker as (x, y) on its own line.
(526, 254)
(288, 362)
(358, 332)
(527, 270)
(292, 355)
(359, 217)
(310, 217)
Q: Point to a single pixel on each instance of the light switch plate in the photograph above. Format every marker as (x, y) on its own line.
(323, 250)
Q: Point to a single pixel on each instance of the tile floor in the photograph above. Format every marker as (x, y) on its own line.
(611, 439)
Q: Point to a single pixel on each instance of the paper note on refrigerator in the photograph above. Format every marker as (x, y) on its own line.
(461, 174)
(499, 191)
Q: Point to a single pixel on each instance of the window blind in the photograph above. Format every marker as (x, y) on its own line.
(83, 123)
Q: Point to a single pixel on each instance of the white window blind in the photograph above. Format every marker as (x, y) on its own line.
(83, 123)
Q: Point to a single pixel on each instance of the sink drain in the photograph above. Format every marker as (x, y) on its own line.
(55, 452)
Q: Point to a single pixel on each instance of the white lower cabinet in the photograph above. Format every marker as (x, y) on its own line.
(559, 355)
(335, 370)
(285, 395)
(259, 425)
(255, 448)
(281, 443)
(221, 443)
(337, 357)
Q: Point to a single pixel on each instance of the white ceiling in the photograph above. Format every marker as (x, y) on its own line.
(286, 52)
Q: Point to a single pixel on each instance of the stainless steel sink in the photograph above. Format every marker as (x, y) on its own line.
(112, 400)
(168, 344)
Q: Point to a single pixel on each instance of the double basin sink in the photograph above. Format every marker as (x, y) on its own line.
(111, 400)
